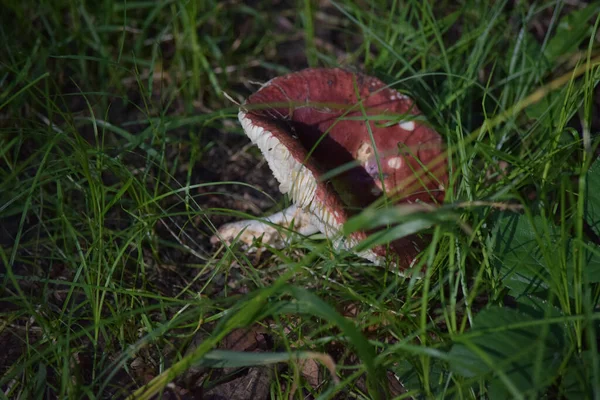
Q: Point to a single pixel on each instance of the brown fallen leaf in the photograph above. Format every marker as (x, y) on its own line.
(254, 384)
(231, 383)
(309, 369)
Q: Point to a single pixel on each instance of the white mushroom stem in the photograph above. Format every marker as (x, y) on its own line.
(275, 230)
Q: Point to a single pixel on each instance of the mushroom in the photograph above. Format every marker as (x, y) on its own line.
(336, 141)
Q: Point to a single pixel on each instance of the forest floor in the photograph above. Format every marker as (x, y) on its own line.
(121, 154)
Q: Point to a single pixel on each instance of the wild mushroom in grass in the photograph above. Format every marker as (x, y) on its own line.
(336, 141)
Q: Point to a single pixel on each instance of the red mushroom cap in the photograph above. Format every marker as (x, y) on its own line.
(317, 121)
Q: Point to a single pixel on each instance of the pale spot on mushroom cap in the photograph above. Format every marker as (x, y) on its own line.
(407, 125)
(371, 167)
(375, 191)
(364, 152)
(395, 162)
(395, 95)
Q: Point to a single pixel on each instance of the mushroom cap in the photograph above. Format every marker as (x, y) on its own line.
(363, 137)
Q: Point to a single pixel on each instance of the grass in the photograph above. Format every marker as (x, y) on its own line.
(120, 154)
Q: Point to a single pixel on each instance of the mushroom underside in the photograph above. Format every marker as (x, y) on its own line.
(306, 215)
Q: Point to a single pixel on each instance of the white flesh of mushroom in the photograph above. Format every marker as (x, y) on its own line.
(274, 230)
